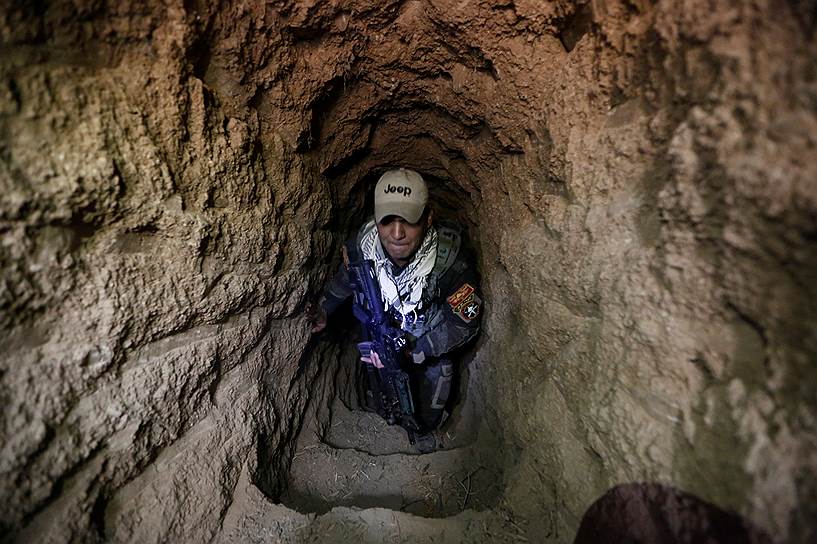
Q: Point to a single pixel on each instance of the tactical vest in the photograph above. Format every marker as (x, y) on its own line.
(449, 240)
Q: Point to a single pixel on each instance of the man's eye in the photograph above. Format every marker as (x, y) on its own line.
(389, 219)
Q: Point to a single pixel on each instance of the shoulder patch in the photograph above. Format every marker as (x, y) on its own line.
(460, 295)
(465, 303)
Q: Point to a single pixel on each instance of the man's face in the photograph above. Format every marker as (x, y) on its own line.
(400, 238)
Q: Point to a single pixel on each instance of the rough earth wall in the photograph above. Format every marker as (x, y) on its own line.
(666, 286)
(640, 178)
(152, 260)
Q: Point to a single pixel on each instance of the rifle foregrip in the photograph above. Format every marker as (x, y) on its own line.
(365, 349)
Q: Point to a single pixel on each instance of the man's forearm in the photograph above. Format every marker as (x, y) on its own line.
(444, 338)
(338, 290)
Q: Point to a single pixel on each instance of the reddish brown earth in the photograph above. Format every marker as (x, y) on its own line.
(639, 179)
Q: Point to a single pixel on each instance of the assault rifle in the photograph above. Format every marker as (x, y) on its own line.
(389, 385)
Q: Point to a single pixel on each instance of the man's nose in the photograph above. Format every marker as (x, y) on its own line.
(398, 232)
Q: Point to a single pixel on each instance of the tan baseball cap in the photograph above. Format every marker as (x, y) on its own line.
(400, 192)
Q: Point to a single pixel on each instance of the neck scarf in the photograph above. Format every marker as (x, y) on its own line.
(403, 291)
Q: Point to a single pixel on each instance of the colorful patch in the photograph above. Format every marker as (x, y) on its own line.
(456, 300)
(465, 303)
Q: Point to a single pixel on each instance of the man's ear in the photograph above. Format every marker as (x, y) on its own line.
(430, 217)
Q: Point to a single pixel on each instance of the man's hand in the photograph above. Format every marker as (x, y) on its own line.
(372, 359)
(317, 316)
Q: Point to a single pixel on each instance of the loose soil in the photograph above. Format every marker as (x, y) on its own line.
(364, 462)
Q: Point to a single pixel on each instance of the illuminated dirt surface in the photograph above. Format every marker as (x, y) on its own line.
(639, 182)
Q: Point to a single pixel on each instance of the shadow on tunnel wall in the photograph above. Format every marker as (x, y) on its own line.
(649, 513)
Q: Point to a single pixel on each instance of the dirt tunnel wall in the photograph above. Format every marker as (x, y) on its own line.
(639, 179)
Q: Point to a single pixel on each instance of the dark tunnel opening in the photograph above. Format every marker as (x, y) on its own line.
(348, 457)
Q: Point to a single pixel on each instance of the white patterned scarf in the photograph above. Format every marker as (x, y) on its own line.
(403, 292)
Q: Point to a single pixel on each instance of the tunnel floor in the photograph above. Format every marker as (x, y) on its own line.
(361, 461)
(355, 478)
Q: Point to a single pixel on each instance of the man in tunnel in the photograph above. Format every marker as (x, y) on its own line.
(428, 283)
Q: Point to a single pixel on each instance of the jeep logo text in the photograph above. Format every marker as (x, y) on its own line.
(405, 191)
